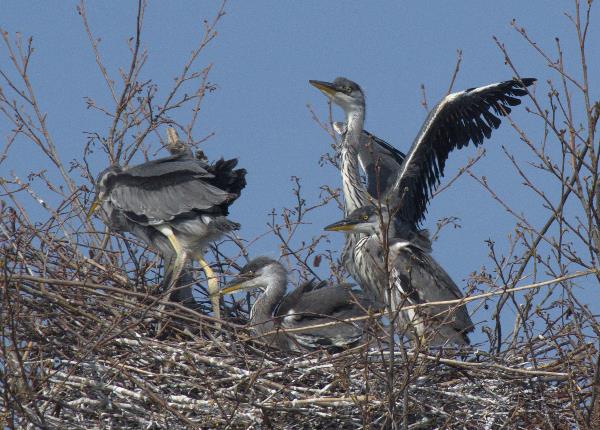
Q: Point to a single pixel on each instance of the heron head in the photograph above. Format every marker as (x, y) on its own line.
(256, 274)
(103, 185)
(343, 92)
(362, 220)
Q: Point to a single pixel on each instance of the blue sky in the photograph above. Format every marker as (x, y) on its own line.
(264, 55)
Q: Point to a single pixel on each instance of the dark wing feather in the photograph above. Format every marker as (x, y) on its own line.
(319, 299)
(315, 303)
(226, 178)
(378, 159)
(423, 280)
(162, 189)
(460, 118)
(166, 165)
(381, 163)
(294, 298)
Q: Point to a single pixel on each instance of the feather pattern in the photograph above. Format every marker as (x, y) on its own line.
(158, 191)
(379, 160)
(311, 304)
(460, 118)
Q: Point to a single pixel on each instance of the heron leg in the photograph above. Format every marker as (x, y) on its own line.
(212, 284)
(180, 255)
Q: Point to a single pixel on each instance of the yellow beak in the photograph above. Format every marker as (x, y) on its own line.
(231, 288)
(340, 226)
(93, 208)
(325, 87)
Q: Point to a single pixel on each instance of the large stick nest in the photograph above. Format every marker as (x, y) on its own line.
(84, 346)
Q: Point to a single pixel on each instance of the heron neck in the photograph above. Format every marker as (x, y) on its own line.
(355, 193)
(355, 120)
(261, 315)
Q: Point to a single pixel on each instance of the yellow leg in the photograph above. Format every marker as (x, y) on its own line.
(172, 268)
(212, 285)
(180, 254)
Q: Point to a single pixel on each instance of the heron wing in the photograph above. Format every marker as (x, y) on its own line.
(166, 165)
(289, 300)
(460, 118)
(160, 190)
(378, 159)
(421, 279)
(314, 297)
(316, 304)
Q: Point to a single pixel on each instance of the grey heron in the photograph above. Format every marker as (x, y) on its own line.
(412, 276)
(309, 305)
(379, 160)
(455, 121)
(176, 204)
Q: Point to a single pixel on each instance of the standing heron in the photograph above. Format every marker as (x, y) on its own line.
(309, 305)
(176, 204)
(379, 160)
(455, 121)
(412, 276)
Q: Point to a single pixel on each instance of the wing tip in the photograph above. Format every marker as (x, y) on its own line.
(528, 81)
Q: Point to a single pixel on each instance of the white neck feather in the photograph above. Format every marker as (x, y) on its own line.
(355, 193)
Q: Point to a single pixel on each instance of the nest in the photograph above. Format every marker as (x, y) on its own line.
(87, 346)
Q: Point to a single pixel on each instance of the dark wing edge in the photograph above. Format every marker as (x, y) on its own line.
(381, 163)
(378, 159)
(460, 118)
(178, 186)
(317, 304)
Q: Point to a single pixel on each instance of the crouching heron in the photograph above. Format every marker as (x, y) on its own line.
(304, 309)
(176, 204)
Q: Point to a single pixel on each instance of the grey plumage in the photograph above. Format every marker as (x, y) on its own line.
(311, 304)
(458, 119)
(359, 148)
(176, 204)
(414, 275)
(379, 160)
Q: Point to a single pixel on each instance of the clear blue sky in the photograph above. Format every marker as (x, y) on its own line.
(263, 57)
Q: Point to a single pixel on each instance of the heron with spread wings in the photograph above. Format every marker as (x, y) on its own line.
(460, 118)
(176, 204)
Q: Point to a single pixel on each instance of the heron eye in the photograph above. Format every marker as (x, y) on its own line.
(365, 217)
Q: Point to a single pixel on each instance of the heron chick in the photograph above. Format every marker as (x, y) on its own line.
(176, 204)
(459, 119)
(412, 277)
(304, 309)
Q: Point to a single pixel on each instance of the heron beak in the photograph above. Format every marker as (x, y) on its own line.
(231, 288)
(326, 88)
(93, 208)
(239, 283)
(343, 225)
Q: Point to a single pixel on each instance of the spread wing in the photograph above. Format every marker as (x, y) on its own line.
(162, 189)
(460, 118)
